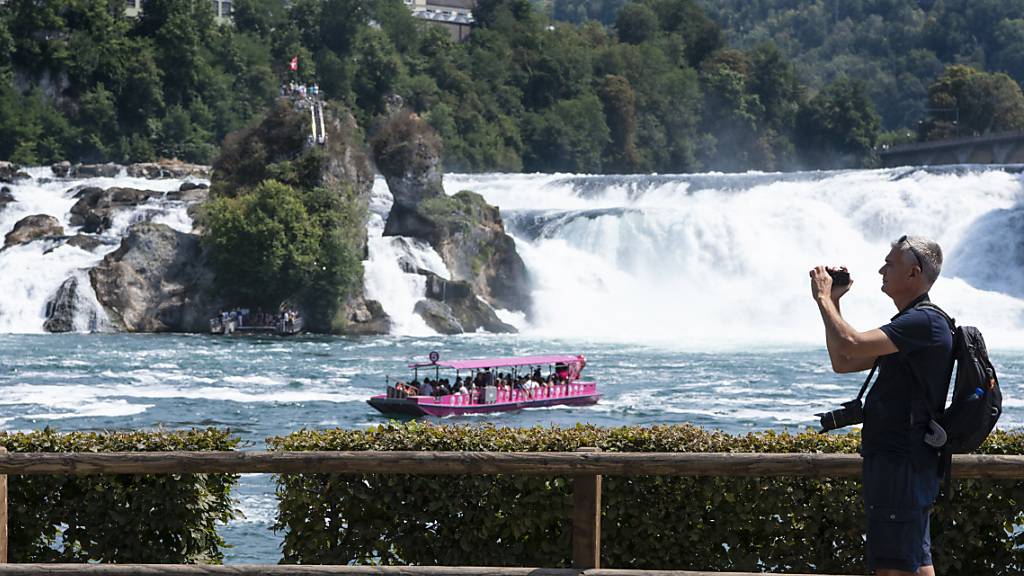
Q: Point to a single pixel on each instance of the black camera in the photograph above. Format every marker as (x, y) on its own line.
(851, 413)
(840, 276)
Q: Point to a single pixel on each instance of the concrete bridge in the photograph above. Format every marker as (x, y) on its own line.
(998, 148)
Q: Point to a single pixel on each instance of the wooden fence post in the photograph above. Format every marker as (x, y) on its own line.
(3, 514)
(586, 519)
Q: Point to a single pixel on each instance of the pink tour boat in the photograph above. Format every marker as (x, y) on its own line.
(488, 385)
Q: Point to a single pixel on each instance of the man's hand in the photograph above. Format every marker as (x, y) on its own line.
(822, 285)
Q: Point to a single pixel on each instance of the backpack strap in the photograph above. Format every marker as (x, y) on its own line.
(918, 380)
(945, 456)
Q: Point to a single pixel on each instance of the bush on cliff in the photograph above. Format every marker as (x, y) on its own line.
(164, 518)
(797, 524)
(280, 244)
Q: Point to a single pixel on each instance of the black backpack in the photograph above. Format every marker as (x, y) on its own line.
(977, 400)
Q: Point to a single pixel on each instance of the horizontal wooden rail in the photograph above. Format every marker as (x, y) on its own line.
(522, 463)
(275, 570)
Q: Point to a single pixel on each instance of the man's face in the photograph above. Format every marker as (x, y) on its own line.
(898, 275)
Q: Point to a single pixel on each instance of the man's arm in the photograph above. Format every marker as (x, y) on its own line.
(848, 349)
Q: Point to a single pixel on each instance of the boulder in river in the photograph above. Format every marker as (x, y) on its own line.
(452, 308)
(158, 280)
(66, 305)
(108, 170)
(167, 169)
(6, 197)
(32, 228)
(95, 206)
(364, 317)
(11, 172)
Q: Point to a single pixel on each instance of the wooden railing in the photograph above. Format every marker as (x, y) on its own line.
(586, 466)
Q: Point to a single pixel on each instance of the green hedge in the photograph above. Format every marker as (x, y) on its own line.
(773, 524)
(165, 518)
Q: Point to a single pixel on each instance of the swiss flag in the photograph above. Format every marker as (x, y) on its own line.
(294, 64)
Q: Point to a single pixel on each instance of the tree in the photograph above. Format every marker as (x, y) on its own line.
(636, 23)
(568, 137)
(967, 101)
(619, 102)
(264, 245)
(838, 127)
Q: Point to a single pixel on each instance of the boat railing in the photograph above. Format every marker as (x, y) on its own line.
(503, 396)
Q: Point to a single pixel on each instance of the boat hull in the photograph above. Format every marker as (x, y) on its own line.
(415, 407)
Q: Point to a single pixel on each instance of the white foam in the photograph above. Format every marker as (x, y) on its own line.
(109, 408)
(30, 274)
(725, 266)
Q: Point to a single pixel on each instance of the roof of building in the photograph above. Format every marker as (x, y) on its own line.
(444, 16)
(457, 4)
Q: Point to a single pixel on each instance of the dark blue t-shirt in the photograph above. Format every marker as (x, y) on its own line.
(895, 411)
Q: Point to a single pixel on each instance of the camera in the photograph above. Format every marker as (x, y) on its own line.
(852, 412)
(840, 276)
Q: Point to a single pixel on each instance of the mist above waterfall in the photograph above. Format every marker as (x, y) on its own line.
(722, 260)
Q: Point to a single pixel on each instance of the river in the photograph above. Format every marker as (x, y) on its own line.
(688, 294)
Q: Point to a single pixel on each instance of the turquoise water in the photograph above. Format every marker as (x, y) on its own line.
(261, 387)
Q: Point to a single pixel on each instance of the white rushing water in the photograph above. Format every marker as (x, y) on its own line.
(31, 273)
(723, 260)
(689, 260)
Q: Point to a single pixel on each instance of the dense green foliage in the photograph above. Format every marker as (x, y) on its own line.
(166, 518)
(608, 86)
(278, 244)
(897, 47)
(756, 524)
(78, 80)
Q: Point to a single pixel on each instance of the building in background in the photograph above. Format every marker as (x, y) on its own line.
(221, 9)
(456, 16)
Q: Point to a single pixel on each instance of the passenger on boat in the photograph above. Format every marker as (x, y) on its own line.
(443, 389)
(428, 388)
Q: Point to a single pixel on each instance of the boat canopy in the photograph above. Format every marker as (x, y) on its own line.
(499, 362)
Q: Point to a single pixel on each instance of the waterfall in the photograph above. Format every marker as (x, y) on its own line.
(31, 274)
(723, 260)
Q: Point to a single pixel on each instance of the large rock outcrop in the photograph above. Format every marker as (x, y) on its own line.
(281, 147)
(467, 232)
(157, 281)
(32, 228)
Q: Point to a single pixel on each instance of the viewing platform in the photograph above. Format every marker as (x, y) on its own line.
(996, 148)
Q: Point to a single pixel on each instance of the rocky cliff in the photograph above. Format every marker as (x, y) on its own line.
(156, 281)
(466, 231)
(282, 148)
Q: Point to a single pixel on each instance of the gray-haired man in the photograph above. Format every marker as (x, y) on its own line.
(901, 477)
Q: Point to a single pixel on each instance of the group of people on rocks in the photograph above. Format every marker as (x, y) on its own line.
(293, 88)
(531, 383)
(244, 317)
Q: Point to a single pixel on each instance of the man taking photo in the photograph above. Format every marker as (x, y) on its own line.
(900, 471)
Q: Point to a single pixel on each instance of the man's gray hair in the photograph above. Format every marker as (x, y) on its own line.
(923, 252)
